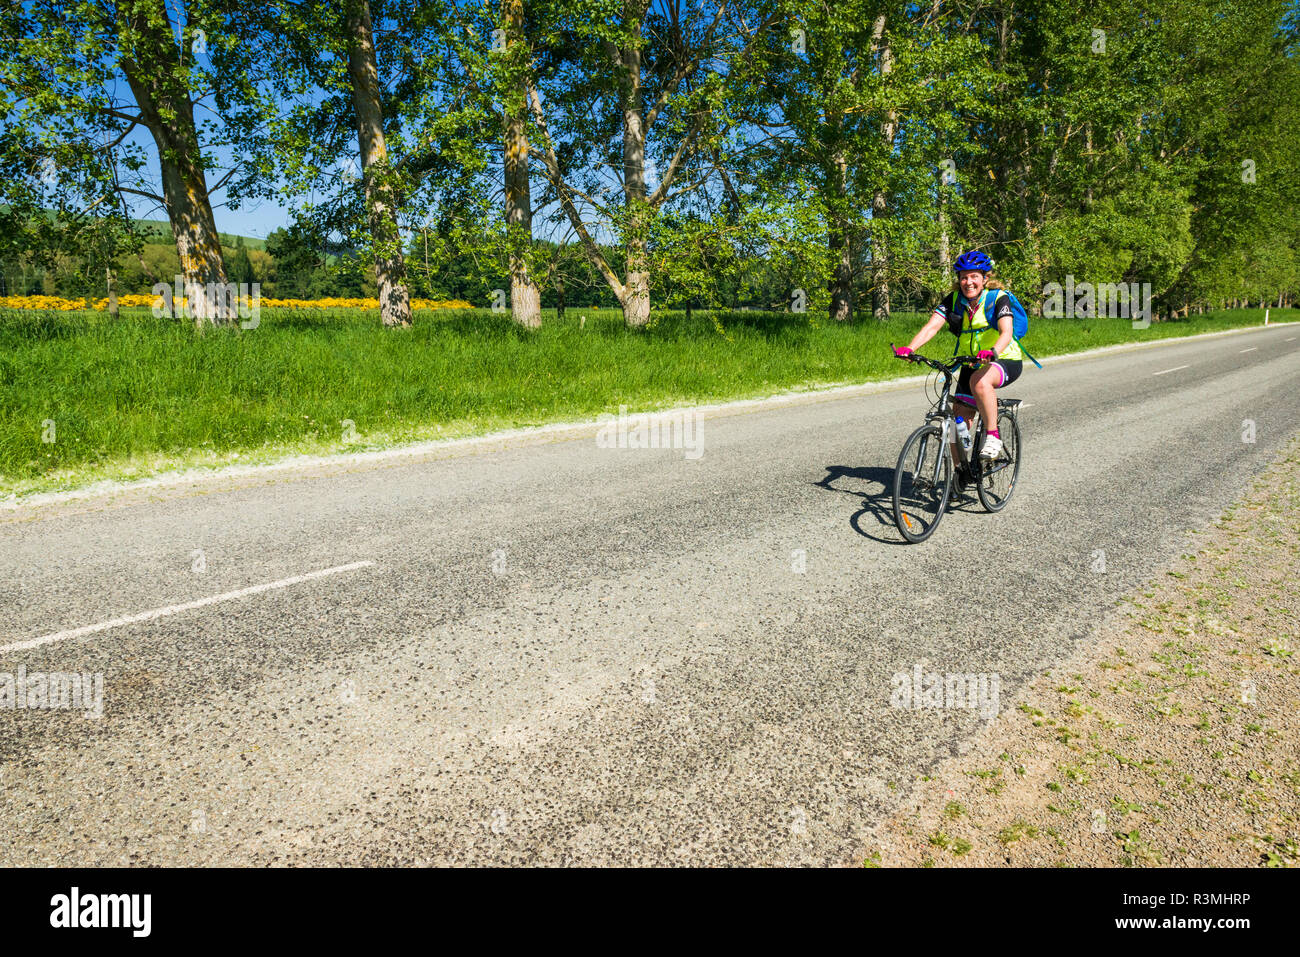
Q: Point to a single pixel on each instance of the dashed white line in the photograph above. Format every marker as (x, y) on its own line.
(1292, 339)
(1251, 349)
(1174, 369)
(174, 609)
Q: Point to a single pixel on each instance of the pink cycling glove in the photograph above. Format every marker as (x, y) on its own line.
(903, 352)
(986, 355)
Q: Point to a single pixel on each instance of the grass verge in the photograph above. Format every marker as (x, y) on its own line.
(1172, 740)
(85, 398)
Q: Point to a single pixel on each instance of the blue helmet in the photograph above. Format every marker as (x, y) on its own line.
(973, 260)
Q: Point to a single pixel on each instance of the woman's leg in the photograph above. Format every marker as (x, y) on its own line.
(962, 409)
(984, 381)
(967, 413)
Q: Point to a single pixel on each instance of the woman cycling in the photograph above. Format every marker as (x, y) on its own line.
(985, 336)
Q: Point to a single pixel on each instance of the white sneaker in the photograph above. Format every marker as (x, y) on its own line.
(992, 447)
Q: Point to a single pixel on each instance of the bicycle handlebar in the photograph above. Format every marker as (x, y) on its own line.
(939, 366)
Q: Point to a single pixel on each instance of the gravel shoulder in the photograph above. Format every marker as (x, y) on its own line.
(1171, 738)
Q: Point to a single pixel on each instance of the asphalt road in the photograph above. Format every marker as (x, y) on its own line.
(561, 653)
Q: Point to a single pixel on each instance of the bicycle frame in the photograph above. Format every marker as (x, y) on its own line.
(943, 410)
(940, 423)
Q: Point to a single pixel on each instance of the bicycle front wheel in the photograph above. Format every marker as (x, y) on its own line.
(997, 477)
(922, 483)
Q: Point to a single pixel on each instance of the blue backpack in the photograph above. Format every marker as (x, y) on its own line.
(1019, 318)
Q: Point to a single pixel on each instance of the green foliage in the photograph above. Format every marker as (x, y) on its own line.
(1109, 140)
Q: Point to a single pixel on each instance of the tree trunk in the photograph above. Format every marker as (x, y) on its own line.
(525, 296)
(166, 111)
(879, 205)
(381, 200)
(945, 253)
(633, 292)
(841, 283)
(840, 286)
(566, 197)
(636, 295)
(1088, 162)
(880, 278)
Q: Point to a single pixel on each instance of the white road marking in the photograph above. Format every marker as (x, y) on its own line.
(174, 609)
(1292, 339)
(1174, 369)
(1251, 349)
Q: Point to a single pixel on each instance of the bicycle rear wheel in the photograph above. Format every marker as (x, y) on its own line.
(922, 483)
(997, 477)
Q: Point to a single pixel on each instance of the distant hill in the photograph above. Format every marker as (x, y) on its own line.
(160, 231)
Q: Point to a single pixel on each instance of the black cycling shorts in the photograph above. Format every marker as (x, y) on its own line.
(1010, 368)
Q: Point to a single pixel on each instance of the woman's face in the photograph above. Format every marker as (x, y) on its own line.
(971, 282)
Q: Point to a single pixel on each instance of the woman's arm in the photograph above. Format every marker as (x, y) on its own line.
(1004, 340)
(937, 322)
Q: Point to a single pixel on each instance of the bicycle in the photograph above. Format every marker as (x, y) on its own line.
(924, 476)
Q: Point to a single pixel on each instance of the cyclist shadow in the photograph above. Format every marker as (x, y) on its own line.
(877, 501)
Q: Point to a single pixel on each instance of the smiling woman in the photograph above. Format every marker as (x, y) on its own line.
(983, 317)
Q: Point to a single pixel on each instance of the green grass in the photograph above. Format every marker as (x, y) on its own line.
(1017, 830)
(140, 395)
